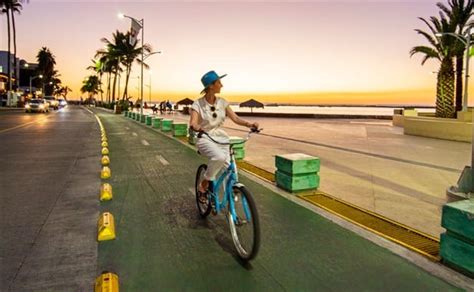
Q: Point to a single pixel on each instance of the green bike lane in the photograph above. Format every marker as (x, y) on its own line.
(162, 244)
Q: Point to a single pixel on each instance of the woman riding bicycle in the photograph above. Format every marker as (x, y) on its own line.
(208, 114)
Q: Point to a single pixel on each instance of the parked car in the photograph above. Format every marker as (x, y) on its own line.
(62, 102)
(53, 102)
(37, 105)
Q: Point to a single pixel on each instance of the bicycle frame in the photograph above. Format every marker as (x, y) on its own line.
(232, 179)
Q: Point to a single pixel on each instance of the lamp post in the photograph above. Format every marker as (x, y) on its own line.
(142, 23)
(149, 85)
(150, 54)
(466, 181)
(33, 78)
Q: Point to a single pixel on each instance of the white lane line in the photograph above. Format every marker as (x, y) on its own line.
(127, 128)
(162, 160)
(145, 142)
(191, 190)
(134, 134)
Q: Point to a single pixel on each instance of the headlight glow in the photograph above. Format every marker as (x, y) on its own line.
(27, 106)
(41, 106)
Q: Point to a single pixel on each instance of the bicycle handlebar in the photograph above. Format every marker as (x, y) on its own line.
(252, 130)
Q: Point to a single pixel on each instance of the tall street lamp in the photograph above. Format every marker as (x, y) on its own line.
(33, 78)
(150, 54)
(149, 91)
(142, 23)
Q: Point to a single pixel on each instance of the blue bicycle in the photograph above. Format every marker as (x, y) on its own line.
(237, 203)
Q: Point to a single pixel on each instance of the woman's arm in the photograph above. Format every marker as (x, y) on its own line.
(194, 121)
(235, 118)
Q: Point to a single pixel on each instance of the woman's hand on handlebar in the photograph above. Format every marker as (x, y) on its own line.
(253, 126)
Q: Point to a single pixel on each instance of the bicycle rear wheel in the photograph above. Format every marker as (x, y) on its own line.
(245, 228)
(203, 208)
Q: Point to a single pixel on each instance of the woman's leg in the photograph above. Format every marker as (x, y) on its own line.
(218, 156)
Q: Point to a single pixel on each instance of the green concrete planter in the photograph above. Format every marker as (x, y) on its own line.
(148, 120)
(133, 115)
(458, 217)
(142, 118)
(296, 182)
(237, 142)
(297, 163)
(125, 113)
(137, 117)
(457, 253)
(239, 153)
(156, 122)
(166, 125)
(180, 129)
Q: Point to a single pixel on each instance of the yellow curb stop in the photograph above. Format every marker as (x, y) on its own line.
(107, 282)
(105, 144)
(105, 151)
(105, 227)
(105, 173)
(106, 192)
(105, 160)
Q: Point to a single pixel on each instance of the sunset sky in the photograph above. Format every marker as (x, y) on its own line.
(351, 52)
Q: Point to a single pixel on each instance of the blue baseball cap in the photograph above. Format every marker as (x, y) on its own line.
(209, 78)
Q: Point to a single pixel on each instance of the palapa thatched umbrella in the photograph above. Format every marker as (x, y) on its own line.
(251, 103)
(186, 102)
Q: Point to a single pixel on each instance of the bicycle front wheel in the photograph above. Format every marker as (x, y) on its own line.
(245, 227)
(204, 208)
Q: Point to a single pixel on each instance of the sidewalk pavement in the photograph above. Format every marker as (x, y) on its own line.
(162, 244)
(368, 163)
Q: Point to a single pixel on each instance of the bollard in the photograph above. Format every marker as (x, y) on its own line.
(180, 129)
(166, 125)
(148, 120)
(105, 173)
(106, 227)
(107, 282)
(238, 146)
(105, 192)
(156, 122)
(297, 172)
(105, 160)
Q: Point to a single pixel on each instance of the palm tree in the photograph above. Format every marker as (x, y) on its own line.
(46, 63)
(98, 68)
(15, 7)
(132, 53)
(5, 4)
(113, 55)
(120, 52)
(91, 86)
(9, 7)
(443, 51)
(459, 13)
(63, 91)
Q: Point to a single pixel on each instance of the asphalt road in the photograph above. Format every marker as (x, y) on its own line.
(49, 182)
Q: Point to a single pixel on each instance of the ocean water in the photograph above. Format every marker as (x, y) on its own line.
(328, 110)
